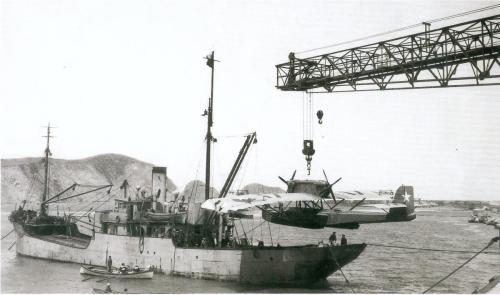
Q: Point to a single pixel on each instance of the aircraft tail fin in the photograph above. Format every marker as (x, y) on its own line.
(404, 195)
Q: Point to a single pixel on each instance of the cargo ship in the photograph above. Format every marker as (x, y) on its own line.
(175, 238)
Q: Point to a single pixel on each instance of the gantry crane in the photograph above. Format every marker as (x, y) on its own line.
(464, 54)
(429, 59)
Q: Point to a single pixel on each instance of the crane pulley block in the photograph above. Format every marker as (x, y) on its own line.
(308, 149)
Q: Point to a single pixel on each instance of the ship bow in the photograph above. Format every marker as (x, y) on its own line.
(295, 266)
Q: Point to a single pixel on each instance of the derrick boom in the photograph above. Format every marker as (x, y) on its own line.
(464, 54)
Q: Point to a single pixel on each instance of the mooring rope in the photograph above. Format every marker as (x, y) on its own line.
(341, 271)
(7, 234)
(426, 249)
(494, 240)
(345, 278)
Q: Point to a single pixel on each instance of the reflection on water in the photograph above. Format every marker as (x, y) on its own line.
(376, 270)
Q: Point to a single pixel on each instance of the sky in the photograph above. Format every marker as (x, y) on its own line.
(129, 77)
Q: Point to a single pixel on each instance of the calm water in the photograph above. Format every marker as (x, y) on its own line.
(377, 269)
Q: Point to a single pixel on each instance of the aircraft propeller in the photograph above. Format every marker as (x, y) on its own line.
(286, 182)
(329, 190)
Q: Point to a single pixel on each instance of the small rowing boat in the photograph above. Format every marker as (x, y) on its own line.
(115, 273)
(103, 291)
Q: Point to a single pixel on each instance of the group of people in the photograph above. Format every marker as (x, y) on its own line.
(333, 239)
(123, 268)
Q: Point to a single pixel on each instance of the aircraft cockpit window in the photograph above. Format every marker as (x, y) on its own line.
(299, 188)
(309, 188)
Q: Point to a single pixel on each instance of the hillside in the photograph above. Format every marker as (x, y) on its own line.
(24, 177)
(257, 188)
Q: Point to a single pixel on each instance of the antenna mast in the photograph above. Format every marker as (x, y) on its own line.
(209, 138)
(46, 178)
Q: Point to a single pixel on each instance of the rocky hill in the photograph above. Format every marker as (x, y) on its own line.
(257, 188)
(23, 178)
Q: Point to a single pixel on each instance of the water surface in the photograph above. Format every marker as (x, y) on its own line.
(377, 269)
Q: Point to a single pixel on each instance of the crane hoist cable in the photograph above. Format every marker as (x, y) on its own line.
(308, 129)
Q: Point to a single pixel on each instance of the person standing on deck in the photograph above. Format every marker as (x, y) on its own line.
(333, 239)
(110, 264)
(343, 241)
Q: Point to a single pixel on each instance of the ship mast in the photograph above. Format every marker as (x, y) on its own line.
(209, 138)
(46, 177)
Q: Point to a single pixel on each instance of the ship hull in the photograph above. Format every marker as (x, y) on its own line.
(290, 266)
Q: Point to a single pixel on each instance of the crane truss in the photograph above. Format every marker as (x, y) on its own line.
(465, 54)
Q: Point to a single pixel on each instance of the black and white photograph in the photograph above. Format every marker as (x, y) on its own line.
(238, 146)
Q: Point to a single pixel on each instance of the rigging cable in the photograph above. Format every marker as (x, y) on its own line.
(196, 175)
(426, 249)
(243, 229)
(212, 169)
(261, 235)
(84, 207)
(253, 223)
(242, 174)
(103, 202)
(340, 268)
(279, 229)
(34, 179)
(403, 28)
(255, 227)
(8, 234)
(345, 278)
(311, 114)
(270, 233)
(303, 116)
(234, 136)
(494, 240)
(32, 182)
(99, 198)
(11, 245)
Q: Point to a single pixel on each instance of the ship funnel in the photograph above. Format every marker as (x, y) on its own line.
(159, 183)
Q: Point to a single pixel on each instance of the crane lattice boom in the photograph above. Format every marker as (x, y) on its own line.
(465, 54)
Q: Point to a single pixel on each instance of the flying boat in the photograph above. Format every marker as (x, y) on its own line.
(313, 204)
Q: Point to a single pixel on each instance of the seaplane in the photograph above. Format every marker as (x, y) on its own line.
(313, 204)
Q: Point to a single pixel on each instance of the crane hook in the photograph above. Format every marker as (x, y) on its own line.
(319, 114)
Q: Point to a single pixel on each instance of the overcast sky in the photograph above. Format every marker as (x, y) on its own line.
(129, 77)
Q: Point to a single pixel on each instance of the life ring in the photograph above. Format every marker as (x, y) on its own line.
(141, 243)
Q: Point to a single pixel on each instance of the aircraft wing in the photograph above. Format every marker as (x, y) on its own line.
(242, 202)
(359, 195)
(383, 206)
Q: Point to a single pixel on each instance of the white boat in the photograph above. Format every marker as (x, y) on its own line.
(100, 271)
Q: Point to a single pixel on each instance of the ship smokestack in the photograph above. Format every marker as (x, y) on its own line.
(159, 183)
